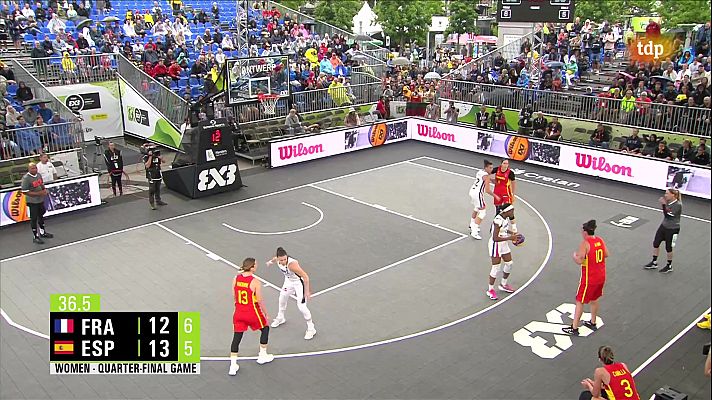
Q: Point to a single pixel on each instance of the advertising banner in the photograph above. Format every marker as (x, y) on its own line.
(292, 151)
(141, 119)
(64, 196)
(97, 103)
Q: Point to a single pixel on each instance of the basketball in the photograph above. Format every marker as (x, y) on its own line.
(517, 148)
(377, 135)
(519, 241)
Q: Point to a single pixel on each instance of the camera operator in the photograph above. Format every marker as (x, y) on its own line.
(152, 160)
(115, 165)
(525, 120)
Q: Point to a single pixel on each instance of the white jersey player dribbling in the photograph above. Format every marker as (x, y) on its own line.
(296, 283)
(477, 197)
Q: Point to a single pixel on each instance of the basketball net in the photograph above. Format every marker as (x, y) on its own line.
(269, 103)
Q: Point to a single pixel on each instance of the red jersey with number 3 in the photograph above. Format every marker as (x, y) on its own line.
(594, 265)
(503, 186)
(622, 385)
(247, 312)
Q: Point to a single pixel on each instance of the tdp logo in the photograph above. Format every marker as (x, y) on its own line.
(137, 115)
(210, 178)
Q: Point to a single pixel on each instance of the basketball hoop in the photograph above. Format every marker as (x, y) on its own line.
(269, 103)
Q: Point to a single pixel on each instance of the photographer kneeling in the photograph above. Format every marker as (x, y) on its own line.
(152, 160)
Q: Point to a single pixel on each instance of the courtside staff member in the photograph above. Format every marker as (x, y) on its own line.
(611, 381)
(669, 229)
(152, 161)
(34, 190)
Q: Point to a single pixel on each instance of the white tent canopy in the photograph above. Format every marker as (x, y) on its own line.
(365, 21)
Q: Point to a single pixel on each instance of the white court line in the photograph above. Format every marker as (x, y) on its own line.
(668, 344)
(389, 266)
(595, 196)
(382, 208)
(20, 327)
(215, 256)
(204, 210)
(321, 217)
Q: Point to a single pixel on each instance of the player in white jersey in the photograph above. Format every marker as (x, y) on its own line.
(477, 195)
(296, 282)
(499, 250)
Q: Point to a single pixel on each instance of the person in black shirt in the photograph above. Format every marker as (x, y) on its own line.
(525, 120)
(539, 125)
(115, 165)
(702, 157)
(553, 130)
(152, 161)
(482, 117)
(651, 143)
(632, 144)
(599, 137)
(686, 152)
(663, 151)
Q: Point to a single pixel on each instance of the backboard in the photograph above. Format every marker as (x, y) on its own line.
(248, 77)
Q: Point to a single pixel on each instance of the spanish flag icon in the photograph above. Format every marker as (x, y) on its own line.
(63, 347)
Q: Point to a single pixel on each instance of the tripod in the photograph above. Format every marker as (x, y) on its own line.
(98, 152)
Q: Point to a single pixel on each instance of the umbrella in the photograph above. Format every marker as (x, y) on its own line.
(109, 19)
(432, 76)
(35, 102)
(362, 38)
(627, 75)
(86, 22)
(359, 57)
(661, 78)
(401, 61)
(555, 64)
(20, 17)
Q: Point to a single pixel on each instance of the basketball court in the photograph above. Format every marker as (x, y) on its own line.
(398, 285)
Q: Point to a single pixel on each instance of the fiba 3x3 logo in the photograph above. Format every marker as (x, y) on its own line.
(210, 178)
(138, 115)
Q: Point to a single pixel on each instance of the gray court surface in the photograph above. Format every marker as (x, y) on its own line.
(397, 285)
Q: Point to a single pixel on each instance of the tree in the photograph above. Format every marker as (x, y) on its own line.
(614, 10)
(293, 4)
(407, 20)
(684, 12)
(339, 13)
(463, 18)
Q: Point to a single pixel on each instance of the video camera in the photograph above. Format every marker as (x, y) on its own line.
(151, 150)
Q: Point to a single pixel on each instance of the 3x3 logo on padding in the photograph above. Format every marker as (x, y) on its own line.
(210, 178)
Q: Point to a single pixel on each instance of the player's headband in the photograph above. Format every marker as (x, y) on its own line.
(509, 208)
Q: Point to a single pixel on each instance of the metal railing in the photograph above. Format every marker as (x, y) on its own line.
(508, 51)
(54, 71)
(172, 106)
(656, 116)
(332, 97)
(40, 92)
(23, 142)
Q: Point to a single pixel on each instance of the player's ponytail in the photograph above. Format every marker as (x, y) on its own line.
(605, 354)
(677, 194)
(590, 227)
(248, 264)
(281, 252)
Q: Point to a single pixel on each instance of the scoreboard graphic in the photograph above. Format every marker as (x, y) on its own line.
(84, 340)
(535, 11)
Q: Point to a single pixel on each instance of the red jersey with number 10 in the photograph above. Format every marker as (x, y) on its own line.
(594, 265)
(622, 385)
(503, 186)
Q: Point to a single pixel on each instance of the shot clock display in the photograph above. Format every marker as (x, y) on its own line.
(121, 342)
(535, 11)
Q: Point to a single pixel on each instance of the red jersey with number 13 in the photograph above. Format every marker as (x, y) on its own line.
(503, 186)
(622, 385)
(247, 312)
(594, 265)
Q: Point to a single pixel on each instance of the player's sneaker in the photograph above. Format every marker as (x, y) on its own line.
(569, 330)
(46, 235)
(264, 358)
(476, 235)
(704, 324)
(277, 322)
(491, 294)
(506, 288)
(37, 240)
(590, 325)
(309, 334)
(666, 269)
(233, 369)
(651, 265)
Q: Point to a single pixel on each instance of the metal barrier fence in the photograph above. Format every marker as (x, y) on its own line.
(41, 92)
(172, 106)
(655, 116)
(54, 71)
(328, 98)
(46, 138)
(509, 51)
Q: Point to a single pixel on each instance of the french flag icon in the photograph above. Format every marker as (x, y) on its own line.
(63, 326)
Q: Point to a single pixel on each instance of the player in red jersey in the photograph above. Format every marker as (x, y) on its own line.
(249, 312)
(504, 187)
(613, 381)
(591, 255)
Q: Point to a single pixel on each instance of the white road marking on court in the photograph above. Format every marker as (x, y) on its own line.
(203, 211)
(595, 196)
(20, 327)
(379, 207)
(389, 266)
(321, 217)
(668, 344)
(219, 258)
